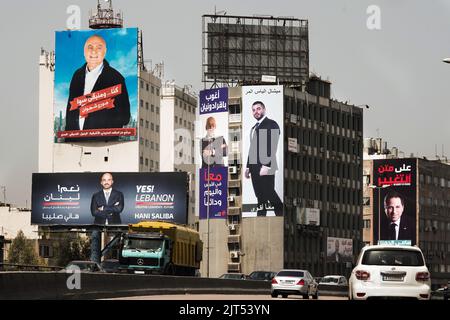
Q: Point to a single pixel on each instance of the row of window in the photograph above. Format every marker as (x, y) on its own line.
(148, 124)
(186, 107)
(316, 112)
(316, 165)
(187, 124)
(436, 181)
(151, 144)
(153, 164)
(152, 106)
(318, 139)
(150, 88)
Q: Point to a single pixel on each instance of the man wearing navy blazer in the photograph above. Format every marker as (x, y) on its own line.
(108, 203)
(96, 74)
(262, 161)
(396, 225)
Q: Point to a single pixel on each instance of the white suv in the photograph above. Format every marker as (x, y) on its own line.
(390, 271)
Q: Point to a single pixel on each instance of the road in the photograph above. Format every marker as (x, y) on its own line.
(221, 297)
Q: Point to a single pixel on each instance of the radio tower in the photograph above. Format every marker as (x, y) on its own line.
(105, 17)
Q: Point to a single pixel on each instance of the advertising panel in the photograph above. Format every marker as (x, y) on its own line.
(213, 174)
(339, 249)
(96, 85)
(262, 151)
(394, 201)
(108, 198)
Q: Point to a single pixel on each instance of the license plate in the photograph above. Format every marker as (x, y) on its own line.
(289, 281)
(392, 278)
(139, 272)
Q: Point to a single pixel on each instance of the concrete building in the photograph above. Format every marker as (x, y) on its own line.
(432, 210)
(322, 171)
(178, 116)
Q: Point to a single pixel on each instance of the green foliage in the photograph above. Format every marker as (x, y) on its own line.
(22, 251)
(73, 249)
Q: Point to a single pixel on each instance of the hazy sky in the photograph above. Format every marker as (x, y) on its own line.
(396, 70)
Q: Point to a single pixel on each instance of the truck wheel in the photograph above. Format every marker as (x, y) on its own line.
(170, 269)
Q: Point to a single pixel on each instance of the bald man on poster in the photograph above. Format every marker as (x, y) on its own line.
(98, 96)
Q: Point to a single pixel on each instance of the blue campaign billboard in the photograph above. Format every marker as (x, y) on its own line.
(108, 198)
(213, 174)
(96, 85)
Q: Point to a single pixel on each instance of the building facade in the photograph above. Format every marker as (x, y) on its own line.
(322, 147)
(432, 206)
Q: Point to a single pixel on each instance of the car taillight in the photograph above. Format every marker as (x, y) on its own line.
(422, 276)
(301, 282)
(274, 281)
(362, 275)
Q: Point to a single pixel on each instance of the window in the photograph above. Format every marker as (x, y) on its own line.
(157, 110)
(152, 145)
(141, 122)
(141, 103)
(157, 128)
(157, 91)
(176, 119)
(157, 146)
(153, 89)
(152, 108)
(146, 105)
(157, 165)
(146, 86)
(146, 124)
(142, 84)
(141, 160)
(151, 163)
(146, 142)
(152, 126)
(146, 162)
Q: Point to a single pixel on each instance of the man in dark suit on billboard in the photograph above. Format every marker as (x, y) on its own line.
(262, 160)
(396, 225)
(336, 255)
(108, 203)
(87, 82)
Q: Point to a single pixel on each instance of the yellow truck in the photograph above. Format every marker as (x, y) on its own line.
(160, 247)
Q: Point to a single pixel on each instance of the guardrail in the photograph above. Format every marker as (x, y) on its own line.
(54, 285)
(27, 267)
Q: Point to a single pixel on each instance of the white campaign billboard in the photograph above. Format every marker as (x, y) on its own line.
(262, 151)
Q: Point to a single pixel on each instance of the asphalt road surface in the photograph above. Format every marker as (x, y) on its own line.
(221, 297)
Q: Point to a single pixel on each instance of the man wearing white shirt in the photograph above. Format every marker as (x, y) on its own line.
(108, 203)
(95, 76)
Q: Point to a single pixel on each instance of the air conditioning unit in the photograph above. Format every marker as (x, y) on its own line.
(232, 227)
(317, 177)
(231, 198)
(233, 170)
(234, 254)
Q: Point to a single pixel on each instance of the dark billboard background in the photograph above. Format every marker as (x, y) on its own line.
(65, 198)
(395, 175)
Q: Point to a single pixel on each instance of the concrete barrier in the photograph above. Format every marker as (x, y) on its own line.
(53, 285)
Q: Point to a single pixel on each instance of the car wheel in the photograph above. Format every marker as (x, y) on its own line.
(274, 294)
(284, 296)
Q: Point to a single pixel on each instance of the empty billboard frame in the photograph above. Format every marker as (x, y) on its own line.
(241, 49)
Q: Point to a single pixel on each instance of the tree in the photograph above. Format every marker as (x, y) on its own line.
(22, 251)
(73, 249)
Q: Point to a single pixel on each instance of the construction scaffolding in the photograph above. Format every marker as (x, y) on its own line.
(239, 50)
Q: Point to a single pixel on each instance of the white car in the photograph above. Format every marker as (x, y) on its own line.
(298, 282)
(390, 271)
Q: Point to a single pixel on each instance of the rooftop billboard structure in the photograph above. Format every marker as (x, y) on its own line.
(241, 49)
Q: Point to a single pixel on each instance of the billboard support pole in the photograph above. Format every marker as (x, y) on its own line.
(95, 245)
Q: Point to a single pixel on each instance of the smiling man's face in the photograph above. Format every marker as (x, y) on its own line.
(94, 51)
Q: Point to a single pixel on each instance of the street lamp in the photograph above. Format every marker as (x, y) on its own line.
(379, 204)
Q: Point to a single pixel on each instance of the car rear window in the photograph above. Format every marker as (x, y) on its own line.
(290, 274)
(393, 258)
(329, 280)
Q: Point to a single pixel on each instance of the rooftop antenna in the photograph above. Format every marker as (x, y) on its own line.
(105, 17)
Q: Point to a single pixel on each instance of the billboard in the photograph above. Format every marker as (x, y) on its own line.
(108, 198)
(213, 174)
(394, 200)
(339, 249)
(96, 85)
(262, 151)
(245, 49)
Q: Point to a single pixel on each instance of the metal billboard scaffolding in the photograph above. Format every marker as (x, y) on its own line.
(238, 50)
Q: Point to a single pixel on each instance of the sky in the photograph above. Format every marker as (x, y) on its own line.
(394, 65)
